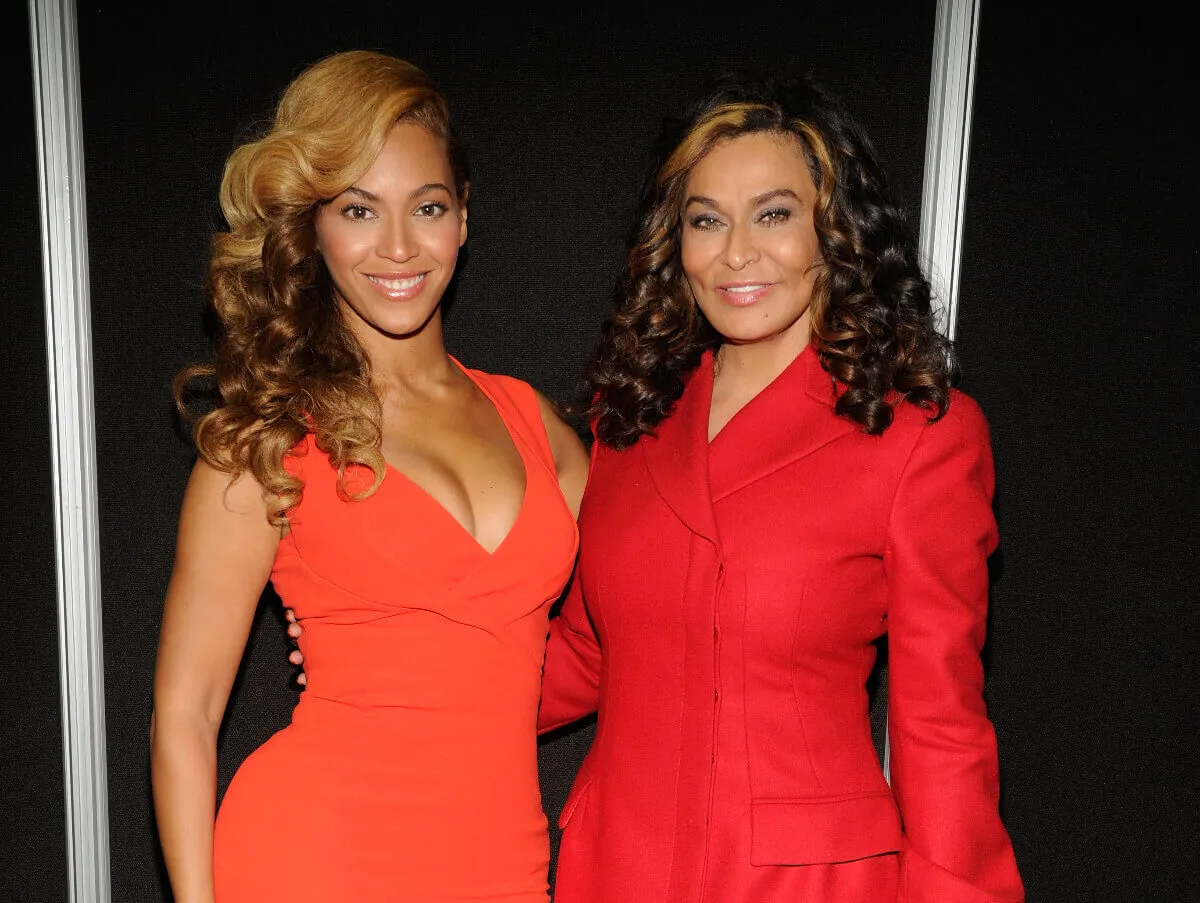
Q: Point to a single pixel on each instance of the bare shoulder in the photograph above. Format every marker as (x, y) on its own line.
(570, 457)
(217, 499)
(564, 441)
(240, 492)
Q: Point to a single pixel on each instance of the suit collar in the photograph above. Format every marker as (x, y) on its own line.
(676, 454)
(788, 420)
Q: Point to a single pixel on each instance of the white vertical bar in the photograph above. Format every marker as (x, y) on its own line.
(943, 197)
(73, 442)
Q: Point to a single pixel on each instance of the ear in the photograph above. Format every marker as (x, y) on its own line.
(316, 230)
(462, 214)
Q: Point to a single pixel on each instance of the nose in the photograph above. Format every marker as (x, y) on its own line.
(396, 241)
(740, 249)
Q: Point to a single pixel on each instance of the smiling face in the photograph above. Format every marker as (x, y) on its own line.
(748, 245)
(390, 241)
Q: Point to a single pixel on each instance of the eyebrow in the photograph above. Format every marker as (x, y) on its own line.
(362, 193)
(428, 187)
(755, 201)
(416, 193)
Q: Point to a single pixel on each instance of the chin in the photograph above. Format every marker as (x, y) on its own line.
(743, 333)
(406, 327)
(751, 327)
(396, 323)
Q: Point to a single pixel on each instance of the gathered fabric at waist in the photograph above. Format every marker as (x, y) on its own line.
(420, 660)
(469, 750)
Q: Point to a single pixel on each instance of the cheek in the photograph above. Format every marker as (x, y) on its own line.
(442, 242)
(694, 258)
(338, 245)
(797, 254)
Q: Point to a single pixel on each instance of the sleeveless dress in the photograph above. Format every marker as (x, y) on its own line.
(409, 771)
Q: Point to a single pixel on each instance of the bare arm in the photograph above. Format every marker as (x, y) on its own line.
(570, 457)
(223, 559)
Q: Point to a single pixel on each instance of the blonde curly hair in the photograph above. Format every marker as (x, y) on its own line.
(286, 363)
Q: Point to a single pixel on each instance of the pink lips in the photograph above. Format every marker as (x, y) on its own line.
(397, 286)
(743, 294)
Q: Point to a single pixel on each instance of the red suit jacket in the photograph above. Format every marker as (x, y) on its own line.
(721, 622)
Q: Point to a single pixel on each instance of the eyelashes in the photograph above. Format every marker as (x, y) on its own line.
(427, 209)
(708, 222)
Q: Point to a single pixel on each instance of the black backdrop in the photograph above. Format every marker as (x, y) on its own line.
(33, 854)
(557, 117)
(1078, 328)
(1076, 333)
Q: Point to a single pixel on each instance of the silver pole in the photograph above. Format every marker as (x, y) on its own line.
(73, 443)
(943, 197)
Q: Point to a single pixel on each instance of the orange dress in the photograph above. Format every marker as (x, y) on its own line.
(409, 771)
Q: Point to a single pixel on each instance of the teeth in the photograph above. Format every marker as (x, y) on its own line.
(397, 285)
(745, 289)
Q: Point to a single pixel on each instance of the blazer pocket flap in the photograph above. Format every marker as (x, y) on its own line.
(823, 829)
(579, 790)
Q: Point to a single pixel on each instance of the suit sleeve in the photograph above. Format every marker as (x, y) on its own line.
(945, 773)
(571, 676)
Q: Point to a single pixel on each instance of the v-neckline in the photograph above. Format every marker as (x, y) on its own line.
(513, 438)
(749, 402)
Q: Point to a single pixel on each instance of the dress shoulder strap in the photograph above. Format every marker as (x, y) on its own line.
(518, 405)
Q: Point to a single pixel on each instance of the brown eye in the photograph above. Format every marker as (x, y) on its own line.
(775, 216)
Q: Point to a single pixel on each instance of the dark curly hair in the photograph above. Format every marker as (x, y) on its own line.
(872, 322)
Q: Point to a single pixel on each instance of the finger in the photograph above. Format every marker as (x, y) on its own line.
(296, 657)
(302, 679)
(290, 615)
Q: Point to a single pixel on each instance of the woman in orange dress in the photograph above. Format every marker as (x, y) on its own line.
(416, 515)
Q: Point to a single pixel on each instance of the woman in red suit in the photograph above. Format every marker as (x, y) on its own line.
(782, 474)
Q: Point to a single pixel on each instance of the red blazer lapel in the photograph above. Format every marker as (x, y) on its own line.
(788, 420)
(676, 455)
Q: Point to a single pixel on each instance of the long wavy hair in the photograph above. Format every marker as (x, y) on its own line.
(286, 362)
(872, 322)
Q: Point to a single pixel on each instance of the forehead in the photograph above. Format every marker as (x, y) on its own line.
(750, 164)
(412, 154)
